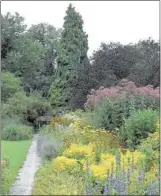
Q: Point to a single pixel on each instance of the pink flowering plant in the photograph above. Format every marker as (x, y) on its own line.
(124, 88)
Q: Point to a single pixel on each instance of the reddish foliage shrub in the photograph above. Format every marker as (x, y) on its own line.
(125, 87)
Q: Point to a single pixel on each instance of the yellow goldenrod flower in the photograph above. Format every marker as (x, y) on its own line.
(62, 163)
(99, 171)
(79, 150)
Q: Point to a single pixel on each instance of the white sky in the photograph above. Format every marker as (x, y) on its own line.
(104, 21)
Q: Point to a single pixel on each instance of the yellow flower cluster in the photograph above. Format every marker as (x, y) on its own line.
(108, 160)
(108, 163)
(63, 163)
(99, 171)
(79, 151)
(126, 159)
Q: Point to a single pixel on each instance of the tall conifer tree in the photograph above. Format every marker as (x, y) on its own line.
(71, 56)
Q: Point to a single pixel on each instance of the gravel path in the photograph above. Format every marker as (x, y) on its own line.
(24, 181)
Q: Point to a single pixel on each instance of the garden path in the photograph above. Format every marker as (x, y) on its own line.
(25, 179)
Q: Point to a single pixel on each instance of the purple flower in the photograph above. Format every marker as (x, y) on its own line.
(88, 190)
(141, 175)
(153, 189)
(119, 185)
(106, 189)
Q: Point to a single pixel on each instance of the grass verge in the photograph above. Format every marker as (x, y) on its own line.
(16, 151)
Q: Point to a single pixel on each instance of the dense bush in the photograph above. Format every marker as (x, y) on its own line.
(10, 85)
(138, 126)
(13, 132)
(106, 115)
(110, 113)
(48, 148)
(27, 107)
(151, 147)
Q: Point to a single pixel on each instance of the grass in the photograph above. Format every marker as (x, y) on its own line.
(16, 151)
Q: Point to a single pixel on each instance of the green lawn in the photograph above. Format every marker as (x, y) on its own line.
(16, 151)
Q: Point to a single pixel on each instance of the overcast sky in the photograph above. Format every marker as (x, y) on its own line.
(104, 21)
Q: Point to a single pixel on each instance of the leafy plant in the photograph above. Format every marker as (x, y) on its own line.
(27, 107)
(138, 126)
(110, 113)
(14, 132)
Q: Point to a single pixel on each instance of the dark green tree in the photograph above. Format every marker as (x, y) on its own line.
(49, 37)
(146, 71)
(11, 29)
(26, 62)
(72, 53)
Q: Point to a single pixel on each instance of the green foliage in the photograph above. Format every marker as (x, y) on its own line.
(111, 113)
(145, 102)
(26, 56)
(15, 132)
(10, 85)
(151, 147)
(27, 107)
(148, 63)
(48, 36)
(117, 61)
(106, 115)
(138, 126)
(72, 52)
(34, 50)
(12, 28)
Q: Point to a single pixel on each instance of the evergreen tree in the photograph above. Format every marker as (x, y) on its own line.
(72, 53)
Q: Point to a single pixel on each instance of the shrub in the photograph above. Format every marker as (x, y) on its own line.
(15, 132)
(111, 113)
(28, 108)
(125, 87)
(151, 147)
(48, 148)
(138, 126)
